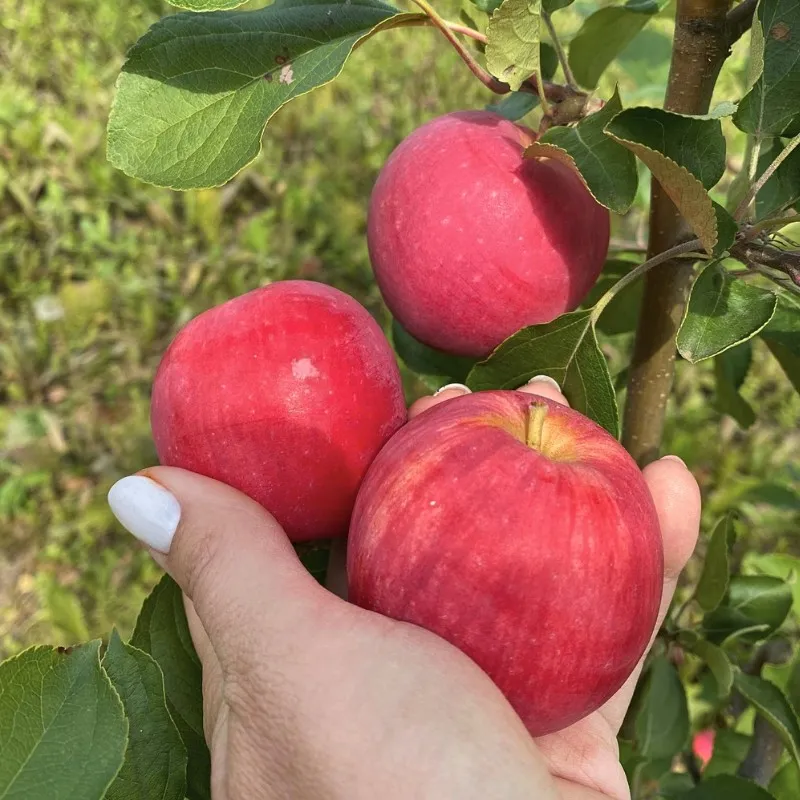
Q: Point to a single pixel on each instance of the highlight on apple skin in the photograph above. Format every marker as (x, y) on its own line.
(524, 534)
(286, 393)
(470, 242)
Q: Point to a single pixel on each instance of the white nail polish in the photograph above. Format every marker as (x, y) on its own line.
(146, 510)
(544, 379)
(464, 389)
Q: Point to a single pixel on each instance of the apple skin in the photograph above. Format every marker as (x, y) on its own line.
(470, 242)
(546, 570)
(286, 393)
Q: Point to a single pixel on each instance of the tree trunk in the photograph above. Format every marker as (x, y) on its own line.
(699, 49)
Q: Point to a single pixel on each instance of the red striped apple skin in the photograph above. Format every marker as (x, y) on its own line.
(470, 241)
(546, 568)
(286, 393)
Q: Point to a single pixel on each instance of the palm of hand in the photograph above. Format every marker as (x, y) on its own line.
(306, 696)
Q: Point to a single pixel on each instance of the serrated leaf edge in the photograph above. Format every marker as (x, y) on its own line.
(685, 354)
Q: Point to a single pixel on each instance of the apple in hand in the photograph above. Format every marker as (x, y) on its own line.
(524, 534)
(470, 242)
(286, 393)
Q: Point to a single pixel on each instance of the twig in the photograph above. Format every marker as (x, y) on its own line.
(700, 47)
(777, 277)
(765, 752)
(773, 222)
(560, 52)
(465, 30)
(739, 20)
(554, 92)
(625, 280)
(489, 81)
(741, 209)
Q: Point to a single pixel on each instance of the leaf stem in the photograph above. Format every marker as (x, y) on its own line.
(490, 82)
(673, 252)
(741, 210)
(560, 52)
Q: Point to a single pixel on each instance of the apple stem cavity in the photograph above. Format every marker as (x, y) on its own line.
(534, 435)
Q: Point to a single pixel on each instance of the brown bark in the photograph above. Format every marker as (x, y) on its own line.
(700, 46)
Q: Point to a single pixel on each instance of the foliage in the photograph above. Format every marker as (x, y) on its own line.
(99, 271)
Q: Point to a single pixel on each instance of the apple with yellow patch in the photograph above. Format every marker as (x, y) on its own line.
(524, 534)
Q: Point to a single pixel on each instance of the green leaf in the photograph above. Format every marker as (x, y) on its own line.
(162, 631)
(713, 583)
(554, 5)
(197, 89)
(772, 704)
(207, 5)
(727, 228)
(662, 724)
(566, 349)
(782, 336)
(155, 761)
(717, 662)
(622, 313)
(793, 684)
(786, 783)
(730, 749)
(513, 36)
(730, 369)
(674, 785)
(782, 190)
(607, 168)
(488, 6)
(755, 603)
(727, 787)
(604, 35)
(772, 103)
(686, 156)
(426, 360)
(514, 106)
(62, 728)
(722, 311)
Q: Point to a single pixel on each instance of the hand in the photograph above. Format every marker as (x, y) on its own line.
(306, 696)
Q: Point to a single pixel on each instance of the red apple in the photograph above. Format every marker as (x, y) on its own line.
(286, 393)
(703, 746)
(470, 242)
(522, 533)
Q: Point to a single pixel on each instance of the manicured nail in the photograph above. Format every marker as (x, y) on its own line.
(673, 458)
(544, 379)
(146, 510)
(460, 386)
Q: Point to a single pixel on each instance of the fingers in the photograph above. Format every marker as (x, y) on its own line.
(541, 385)
(229, 556)
(677, 499)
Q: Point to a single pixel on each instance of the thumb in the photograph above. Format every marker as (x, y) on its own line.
(229, 556)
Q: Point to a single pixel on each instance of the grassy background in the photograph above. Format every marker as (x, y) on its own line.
(97, 272)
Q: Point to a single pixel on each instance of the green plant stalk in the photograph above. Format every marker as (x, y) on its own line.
(489, 81)
(560, 52)
(700, 46)
(768, 173)
(674, 252)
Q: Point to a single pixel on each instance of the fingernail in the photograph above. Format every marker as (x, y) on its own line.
(460, 386)
(146, 510)
(544, 379)
(673, 458)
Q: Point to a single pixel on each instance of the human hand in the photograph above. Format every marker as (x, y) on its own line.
(306, 696)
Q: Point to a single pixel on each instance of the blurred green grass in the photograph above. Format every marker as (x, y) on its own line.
(98, 271)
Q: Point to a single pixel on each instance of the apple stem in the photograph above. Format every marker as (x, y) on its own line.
(534, 435)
